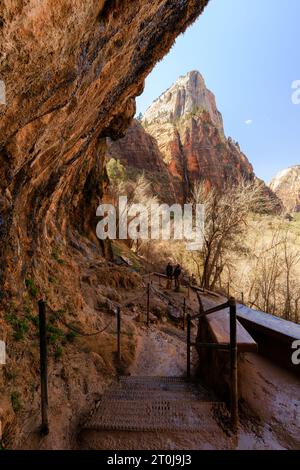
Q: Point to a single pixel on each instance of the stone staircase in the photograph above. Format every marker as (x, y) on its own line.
(155, 404)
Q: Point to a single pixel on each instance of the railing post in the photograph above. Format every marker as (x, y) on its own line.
(233, 366)
(183, 314)
(201, 309)
(119, 332)
(148, 304)
(188, 346)
(43, 367)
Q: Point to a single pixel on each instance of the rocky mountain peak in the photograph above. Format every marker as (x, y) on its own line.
(286, 185)
(188, 96)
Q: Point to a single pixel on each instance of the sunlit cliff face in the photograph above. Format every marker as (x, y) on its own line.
(287, 187)
(180, 140)
(189, 132)
(72, 70)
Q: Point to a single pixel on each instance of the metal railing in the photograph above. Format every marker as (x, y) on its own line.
(186, 319)
(43, 367)
(231, 347)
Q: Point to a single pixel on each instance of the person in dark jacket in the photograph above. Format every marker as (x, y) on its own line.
(169, 273)
(176, 274)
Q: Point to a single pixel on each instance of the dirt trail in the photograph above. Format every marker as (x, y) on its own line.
(159, 354)
(274, 396)
(161, 349)
(269, 416)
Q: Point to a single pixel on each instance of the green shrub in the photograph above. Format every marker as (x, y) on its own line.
(20, 325)
(15, 402)
(58, 352)
(27, 310)
(35, 320)
(115, 171)
(54, 334)
(31, 287)
(56, 256)
(59, 314)
(21, 329)
(10, 375)
(70, 336)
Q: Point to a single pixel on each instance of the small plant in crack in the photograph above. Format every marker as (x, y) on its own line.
(56, 256)
(31, 287)
(20, 325)
(15, 402)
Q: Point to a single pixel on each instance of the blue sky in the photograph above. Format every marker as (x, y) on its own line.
(249, 55)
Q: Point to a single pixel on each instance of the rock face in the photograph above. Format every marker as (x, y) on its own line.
(286, 185)
(181, 140)
(72, 70)
(188, 96)
(139, 153)
(189, 131)
(138, 149)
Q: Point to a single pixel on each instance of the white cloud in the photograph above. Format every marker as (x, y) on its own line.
(249, 122)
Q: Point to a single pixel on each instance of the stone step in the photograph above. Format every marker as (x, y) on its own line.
(154, 404)
(136, 394)
(153, 415)
(150, 378)
(157, 383)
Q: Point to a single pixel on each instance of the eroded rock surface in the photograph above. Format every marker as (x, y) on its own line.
(286, 185)
(140, 154)
(72, 70)
(189, 131)
(181, 141)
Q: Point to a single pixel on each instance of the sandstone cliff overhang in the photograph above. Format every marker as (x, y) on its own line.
(72, 70)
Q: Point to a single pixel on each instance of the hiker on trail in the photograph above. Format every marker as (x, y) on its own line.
(169, 272)
(176, 273)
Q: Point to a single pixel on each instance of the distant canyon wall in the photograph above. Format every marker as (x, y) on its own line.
(181, 140)
(286, 185)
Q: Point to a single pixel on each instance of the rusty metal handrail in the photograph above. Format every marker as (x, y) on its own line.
(211, 310)
(222, 346)
(231, 347)
(203, 290)
(190, 286)
(43, 366)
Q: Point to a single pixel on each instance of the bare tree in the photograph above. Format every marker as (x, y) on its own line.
(138, 191)
(226, 217)
(266, 274)
(291, 258)
(274, 275)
